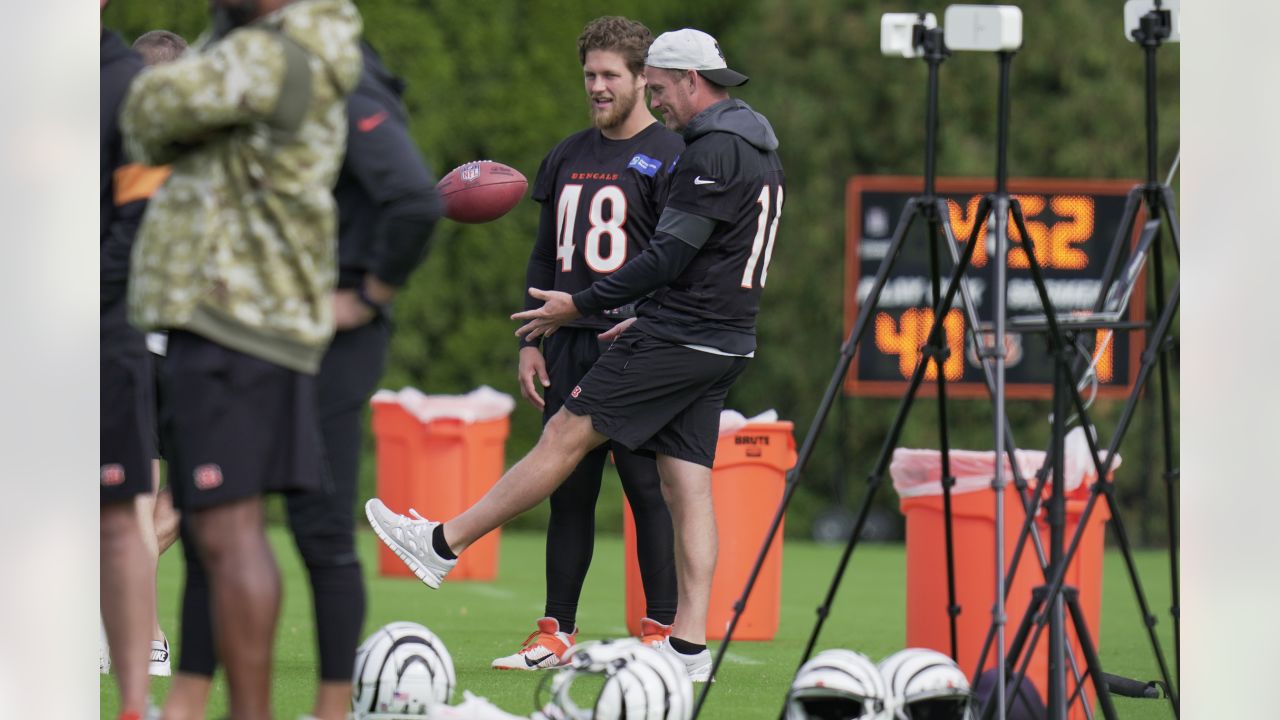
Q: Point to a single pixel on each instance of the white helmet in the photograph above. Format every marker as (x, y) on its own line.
(641, 683)
(837, 685)
(924, 683)
(401, 670)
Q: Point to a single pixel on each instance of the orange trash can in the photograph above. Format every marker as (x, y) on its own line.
(973, 536)
(747, 483)
(439, 467)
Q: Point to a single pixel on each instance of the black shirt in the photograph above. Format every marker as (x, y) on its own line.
(117, 223)
(601, 200)
(708, 262)
(715, 300)
(386, 196)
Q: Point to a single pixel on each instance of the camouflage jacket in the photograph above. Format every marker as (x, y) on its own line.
(238, 246)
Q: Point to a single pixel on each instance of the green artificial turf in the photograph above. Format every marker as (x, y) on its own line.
(480, 621)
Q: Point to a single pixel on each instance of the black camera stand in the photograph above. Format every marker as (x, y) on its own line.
(1157, 199)
(1000, 207)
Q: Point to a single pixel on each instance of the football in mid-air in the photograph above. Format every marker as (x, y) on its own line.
(481, 191)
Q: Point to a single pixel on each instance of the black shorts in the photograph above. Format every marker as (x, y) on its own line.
(656, 397)
(127, 434)
(570, 353)
(236, 426)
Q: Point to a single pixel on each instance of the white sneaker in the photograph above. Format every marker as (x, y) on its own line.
(698, 666)
(472, 707)
(410, 539)
(160, 657)
(544, 648)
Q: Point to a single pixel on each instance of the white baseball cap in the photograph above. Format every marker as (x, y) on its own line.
(690, 49)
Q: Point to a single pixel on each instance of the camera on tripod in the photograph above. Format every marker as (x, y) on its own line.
(984, 28)
(969, 28)
(1152, 21)
(903, 34)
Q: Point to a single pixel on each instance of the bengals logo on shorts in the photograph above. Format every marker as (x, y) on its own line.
(577, 390)
(208, 476)
(112, 475)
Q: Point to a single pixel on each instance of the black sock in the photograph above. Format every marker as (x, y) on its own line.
(441, 547)
(685, 647)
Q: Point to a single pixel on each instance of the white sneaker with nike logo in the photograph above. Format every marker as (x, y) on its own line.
(544, 648)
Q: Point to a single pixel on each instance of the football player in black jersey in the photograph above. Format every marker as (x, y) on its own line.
(660, 387)
(601, 192)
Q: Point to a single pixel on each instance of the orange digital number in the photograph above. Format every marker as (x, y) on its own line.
(1104, 355)
(1075, 231)
(1032, 206)
(1055, 246)
(962, 226)
(905, 336)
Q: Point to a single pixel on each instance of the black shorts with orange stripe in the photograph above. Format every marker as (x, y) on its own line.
(127, 418)
(236, 426)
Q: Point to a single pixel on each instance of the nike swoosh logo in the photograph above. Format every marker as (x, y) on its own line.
(699, 181)
(535, 662)
(367, 124)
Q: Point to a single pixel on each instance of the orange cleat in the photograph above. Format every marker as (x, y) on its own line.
(653, 632)
(544, 648)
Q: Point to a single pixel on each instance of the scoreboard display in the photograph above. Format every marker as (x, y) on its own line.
(1072, 224)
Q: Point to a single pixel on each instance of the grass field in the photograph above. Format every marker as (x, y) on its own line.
(479, 621)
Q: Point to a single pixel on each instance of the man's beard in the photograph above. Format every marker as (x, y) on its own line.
(229, 17)
(617, 112)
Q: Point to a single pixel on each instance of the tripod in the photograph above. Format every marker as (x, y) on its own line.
(1000, 207)
(1157, 199)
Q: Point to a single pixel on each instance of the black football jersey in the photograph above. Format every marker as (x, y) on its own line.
(606, 197)
(715, 300)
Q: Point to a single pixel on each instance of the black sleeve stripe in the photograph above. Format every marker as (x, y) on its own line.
(691, 228)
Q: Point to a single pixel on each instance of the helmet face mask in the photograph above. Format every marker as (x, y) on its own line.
(401, 670)
(950, 708)
(830, 708)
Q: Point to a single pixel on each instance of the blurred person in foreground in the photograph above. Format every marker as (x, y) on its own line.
(387, 209)
(660, 387)
(235, 259)
(601, 190)
(127, 404)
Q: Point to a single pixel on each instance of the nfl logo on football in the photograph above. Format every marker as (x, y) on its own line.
(471, 172)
